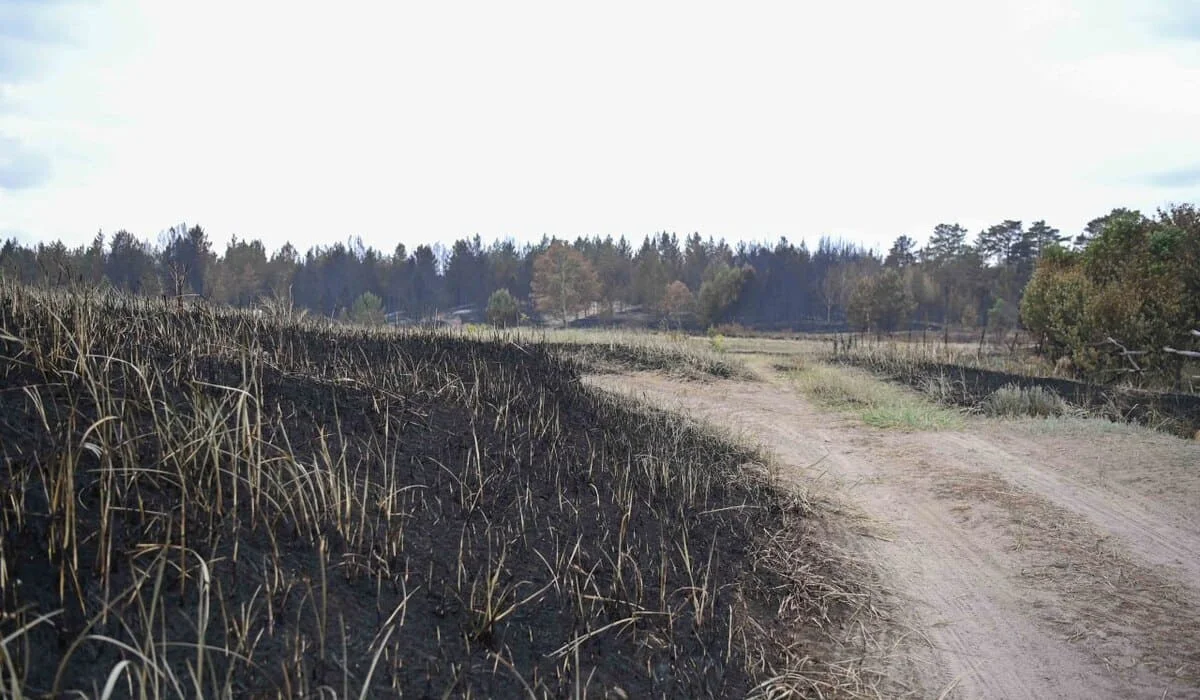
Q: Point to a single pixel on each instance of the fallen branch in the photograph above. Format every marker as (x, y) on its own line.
(1185, 353)
(1129, 354)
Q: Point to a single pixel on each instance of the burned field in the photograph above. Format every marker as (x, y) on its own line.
(198, 503)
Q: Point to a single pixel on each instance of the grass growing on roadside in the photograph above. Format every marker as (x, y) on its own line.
(874, 401)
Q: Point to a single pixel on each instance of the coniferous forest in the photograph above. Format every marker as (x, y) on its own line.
(1126, 274)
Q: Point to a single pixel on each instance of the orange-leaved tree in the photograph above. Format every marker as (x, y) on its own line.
(677, 301)
(564, 282)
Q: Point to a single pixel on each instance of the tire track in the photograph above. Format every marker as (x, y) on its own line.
(954, 510)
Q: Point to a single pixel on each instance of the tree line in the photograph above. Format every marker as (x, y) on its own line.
(957, 279)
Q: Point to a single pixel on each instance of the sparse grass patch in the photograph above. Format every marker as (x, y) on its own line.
(912, 415)
(876, 402)
(888, 353)
(1082, 426)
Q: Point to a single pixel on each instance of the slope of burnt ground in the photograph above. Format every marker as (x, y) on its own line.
(202, 503)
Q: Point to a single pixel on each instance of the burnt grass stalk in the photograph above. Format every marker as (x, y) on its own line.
(203, 502)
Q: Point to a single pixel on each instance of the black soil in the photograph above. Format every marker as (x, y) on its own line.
(462, 467)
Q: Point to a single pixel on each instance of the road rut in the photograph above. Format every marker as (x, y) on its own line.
(1032, 568)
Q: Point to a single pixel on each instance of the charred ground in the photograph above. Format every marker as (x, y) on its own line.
(197, 502)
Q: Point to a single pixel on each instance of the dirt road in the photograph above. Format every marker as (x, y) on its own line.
(1037, 560)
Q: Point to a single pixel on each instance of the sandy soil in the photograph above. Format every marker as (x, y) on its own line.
(1030, 559)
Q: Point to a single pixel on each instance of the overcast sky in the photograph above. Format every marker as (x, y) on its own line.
(418, 122)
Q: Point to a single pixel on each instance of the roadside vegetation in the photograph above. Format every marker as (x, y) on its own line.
(875, 402)
(985, 382)
(203, 502)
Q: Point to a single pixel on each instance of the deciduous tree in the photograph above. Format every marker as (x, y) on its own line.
(721, 290)
(564, 283)
(881, 302)
(677, 300)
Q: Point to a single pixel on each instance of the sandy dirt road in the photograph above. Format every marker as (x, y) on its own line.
(1029, 562)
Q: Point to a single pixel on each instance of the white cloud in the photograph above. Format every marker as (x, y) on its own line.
(417, 122)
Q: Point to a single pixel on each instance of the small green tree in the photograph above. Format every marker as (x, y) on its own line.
(721, 289)
(502, 309)
(368, 309)
(860, 311)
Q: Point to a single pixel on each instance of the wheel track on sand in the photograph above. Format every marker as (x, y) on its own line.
(955, 570)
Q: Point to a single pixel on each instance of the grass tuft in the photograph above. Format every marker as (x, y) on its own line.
(1013, 401)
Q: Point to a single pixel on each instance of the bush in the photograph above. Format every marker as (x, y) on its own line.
(1012, 401)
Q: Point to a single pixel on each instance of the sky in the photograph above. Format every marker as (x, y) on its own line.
(420, 122)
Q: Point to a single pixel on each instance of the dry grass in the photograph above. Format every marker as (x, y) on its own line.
(890, 352)
(1075, 425)
(978, 382)
(675, 354)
